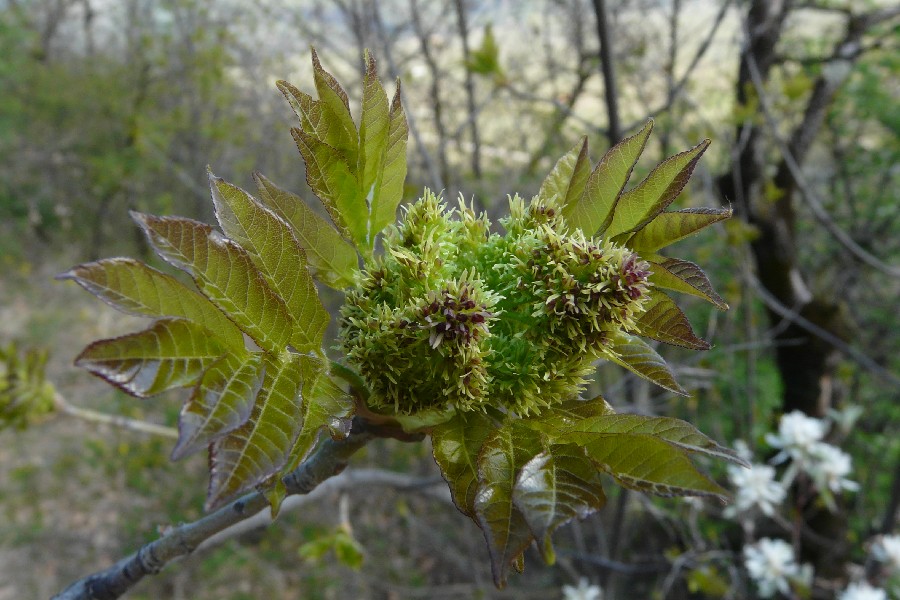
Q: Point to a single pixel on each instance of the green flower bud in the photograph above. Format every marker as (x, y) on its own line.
(452, 315)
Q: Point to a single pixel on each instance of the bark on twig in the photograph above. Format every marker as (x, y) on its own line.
(330, 458)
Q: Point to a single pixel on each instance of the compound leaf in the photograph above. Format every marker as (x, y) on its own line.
(635, 355)
(336, 106)
(135, 288)
(640, 205)
(570, 174)
(669, 227)
(333, 181)
(455, 445)
(221, 402)
(674, 431)
(647, 463)
(663, 321)
(261, 446)
(566, 415)
(685, 277)
(278, 257)
(171, 353)
(373, 131)
(325, 406)
(333, 258)
(389, 186)
(594, 210)
(225, 274)
(505, 529)
(554, 487)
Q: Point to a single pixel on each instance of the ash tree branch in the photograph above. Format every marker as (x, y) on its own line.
(329, 459)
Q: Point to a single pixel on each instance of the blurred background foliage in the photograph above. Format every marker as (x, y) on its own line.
(107, 107)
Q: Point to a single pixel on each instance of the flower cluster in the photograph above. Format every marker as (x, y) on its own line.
(774, 568)
(755, 488)
(863, 591)
(452, 315)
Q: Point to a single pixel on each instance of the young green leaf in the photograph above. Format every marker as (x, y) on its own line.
(171, 353)
(221, 402)
(325, 406)
(260, 447)
(225, 274)
(553, 488)
(567, 415)
(503, 454)
(683, 276)
(314, 118)
(455, 445)
(666, 228)
(635, 355)
(674, 431)
(278, 257)
(640, 205)
(569, 176)
(332, 180)
(389, 185)
(646, 463)
(333, 258)
(663, 321)
(336, 109)
(132, 287)
(373, 132)
(593, 211)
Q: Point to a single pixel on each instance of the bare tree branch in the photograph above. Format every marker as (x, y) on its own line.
(93, 416)
(329, 459)
(796, 173)
(470, 87)
(785, 312)
(614, 128)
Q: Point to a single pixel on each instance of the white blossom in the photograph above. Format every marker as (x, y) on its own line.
(584, 591)
(755, 487)
(863, 591)
(797, 435)
(829, 466)
(887, 550)
(772, 565)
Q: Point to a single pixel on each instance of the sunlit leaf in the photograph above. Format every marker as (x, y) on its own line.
(373, 134)
(315, 119)
(332, 257)
(569, 176)
(333, 99)
(221, 402)
(594, 210)
(225, 274)
(278, 257)
(260, 447)
(171, 353)
(683, 276)
(333, 181)
(505, 529)
(663, 321)
(134, 288)
(389, 186)
(455, 444)
(640, 205)
(674, 431)
(553, 488)
(669, 227)
(635, 355)
(646, 463)
(325, 406)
